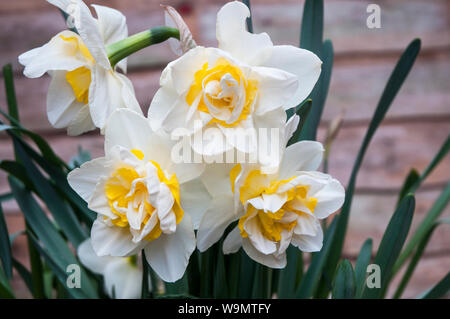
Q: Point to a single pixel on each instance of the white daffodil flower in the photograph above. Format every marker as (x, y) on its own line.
(143, 199)
(122, 275)
(272, 210)
(246, 83)
(84, 89)
(225, 207)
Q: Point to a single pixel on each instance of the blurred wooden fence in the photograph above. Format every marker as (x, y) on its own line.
(414, 129)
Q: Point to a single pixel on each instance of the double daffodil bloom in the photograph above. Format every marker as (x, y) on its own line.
(245, 83)
(84, 89)
(143, 199)
(272, 210)
(122, 275)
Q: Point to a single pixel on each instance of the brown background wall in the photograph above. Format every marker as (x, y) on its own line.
(415, 127)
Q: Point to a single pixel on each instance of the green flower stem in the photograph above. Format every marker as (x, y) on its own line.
(124, 48)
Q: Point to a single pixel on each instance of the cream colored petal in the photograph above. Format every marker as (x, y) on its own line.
(302, 63)
(169, 255)
(233, 241)
(271, 260)
(195, 200)
(232, 35)
(89, 258)
(301, 156)
(124, 278)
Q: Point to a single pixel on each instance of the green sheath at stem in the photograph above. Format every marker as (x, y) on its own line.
(124, 48)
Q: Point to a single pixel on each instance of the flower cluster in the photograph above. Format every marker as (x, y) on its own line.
(146, 200)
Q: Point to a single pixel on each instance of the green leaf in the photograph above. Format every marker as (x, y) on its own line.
(220, 278)
(412, 179)
(362, 262)
(178, 287)
(10, 91)
(311, 33)
(262, 282)
(56, 248)
(424, 227)
(248, 21)
(443, 151)
(441, 289)
(5, 246)
(18, 171)
(5, 289)
(145, 291)
(24, 273)
(248, 267)
(233, 268)
(287, 283)
(415, 259)
(319, 93)
(344, 283)
(394, 84)
(37, 277)
(193, 273)
(391, 244)
(6, 197)
(302, 111)
(62, 213)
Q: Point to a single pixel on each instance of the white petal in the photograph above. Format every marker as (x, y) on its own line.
(306, 225)
(129, 130)
(81, 123)
(216, 178)
(113, 240)
(301, 156)
(57, 54)
(329, 192)
(124, 278)
(214, 222)
(275, 88)
(182, 70)
(195, 200)
(108, 92)
(291, 127)
(257, 239)
(302, 63)
(233, 241)
(160, 107)
(89, 258)
(186, 172)
(308, 243)
(84, 179)
(113, 27)
(271, 260)
(242, 136)
(232, 35)
(62, 107)
(164, 203)
(169, 255)
(210, 142)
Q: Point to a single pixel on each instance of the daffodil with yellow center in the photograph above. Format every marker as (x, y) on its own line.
(85, 89)
(143, 199)
(246, 83)
(271, 211)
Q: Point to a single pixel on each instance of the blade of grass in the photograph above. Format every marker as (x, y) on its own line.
(10, 91)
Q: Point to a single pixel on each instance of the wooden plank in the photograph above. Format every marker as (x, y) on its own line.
(356, 87)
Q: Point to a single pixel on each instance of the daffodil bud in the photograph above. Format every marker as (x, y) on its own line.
(124, 48)
(173, 19)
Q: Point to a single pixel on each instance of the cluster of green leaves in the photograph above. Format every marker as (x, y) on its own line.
(37, 178)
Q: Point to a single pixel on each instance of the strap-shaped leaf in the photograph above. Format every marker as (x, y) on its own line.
(5, 288)
(248, 21)
(424, 227)
(5, 246)
(56, 248)
(311, 33)
(415, 259)
(362, 262)
(391, 244)
(63, 214)
(290, 276)
(393, 85)
(344, 284)
(302, 111)
(441, 289)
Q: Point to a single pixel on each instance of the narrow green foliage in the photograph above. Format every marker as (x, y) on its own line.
(362, 262)
(344, 283)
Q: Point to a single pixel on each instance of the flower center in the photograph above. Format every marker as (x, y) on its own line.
(271, 223)
(80, 78)
(223, 92)
(127, 192)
